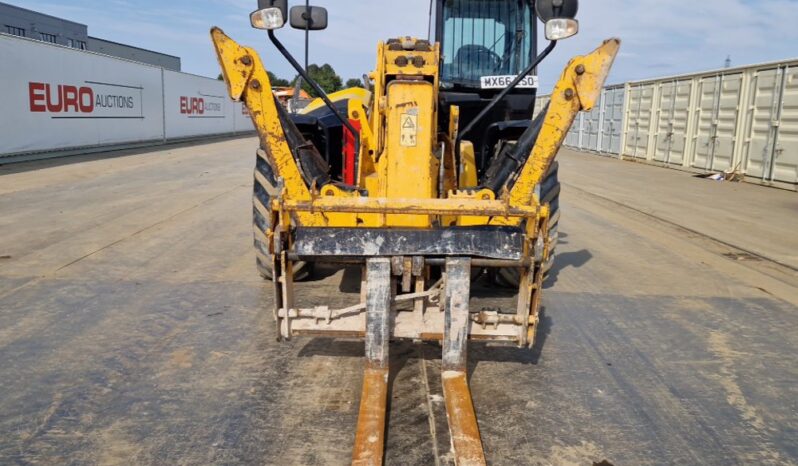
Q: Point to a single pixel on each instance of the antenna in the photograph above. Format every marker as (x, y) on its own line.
(429, 21)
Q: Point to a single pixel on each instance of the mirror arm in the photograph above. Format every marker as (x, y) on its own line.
(481, 115)
(320, 92)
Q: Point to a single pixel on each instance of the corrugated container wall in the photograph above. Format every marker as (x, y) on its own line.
(737, 119)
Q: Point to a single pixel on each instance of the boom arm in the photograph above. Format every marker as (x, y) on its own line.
(578, 88)
(247, 80)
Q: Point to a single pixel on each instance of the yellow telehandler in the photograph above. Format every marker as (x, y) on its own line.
(433, 175)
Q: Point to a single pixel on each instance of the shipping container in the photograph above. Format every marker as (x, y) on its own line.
(714, 133)
(742, 120)
(540, 104)
(672, 114)
(612, 119)
(592, 127)
(637, 127)
(771, 146)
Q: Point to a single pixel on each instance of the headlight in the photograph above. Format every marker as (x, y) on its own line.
(561, 28)
(267, 18)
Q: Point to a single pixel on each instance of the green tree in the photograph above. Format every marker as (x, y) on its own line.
(220, 77)
(325, 76)
(354, 82)
(277, 82)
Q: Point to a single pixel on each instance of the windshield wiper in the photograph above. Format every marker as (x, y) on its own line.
(519, 38)
(497, 43)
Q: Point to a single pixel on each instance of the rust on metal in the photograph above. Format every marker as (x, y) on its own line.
(378, 307)
(449, 206)
(457, 290)
(466, 442)
(463, 428)
(370, 433)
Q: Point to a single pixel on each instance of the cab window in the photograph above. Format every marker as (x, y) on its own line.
(485, 38)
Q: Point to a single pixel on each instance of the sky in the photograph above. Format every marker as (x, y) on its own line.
(659, 37)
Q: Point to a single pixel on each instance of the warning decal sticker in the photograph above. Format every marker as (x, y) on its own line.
(409, 130)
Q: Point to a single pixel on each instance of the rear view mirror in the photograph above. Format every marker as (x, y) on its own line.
(551, 9)
(314, 18)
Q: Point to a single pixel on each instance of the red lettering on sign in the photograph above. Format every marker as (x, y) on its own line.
(86, 99)
(61, 98)
(53, 107)
(192, 106)
(36, 98)
(70, 94)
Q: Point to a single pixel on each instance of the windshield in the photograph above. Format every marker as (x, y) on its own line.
(485, 38)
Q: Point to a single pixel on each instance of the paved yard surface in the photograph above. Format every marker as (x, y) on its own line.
(134, 329)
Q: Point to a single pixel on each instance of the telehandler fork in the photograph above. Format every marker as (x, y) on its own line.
(414, 209)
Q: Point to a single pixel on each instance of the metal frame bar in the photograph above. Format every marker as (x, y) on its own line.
(370, 434)
(436, 206)
(457, 290)
(463, 427)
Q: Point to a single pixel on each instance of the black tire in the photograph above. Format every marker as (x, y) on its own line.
(549, 193)
(264, 187)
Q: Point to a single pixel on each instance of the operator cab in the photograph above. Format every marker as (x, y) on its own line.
(484, 44)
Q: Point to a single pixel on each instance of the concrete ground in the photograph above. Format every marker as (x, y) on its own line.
(760, 221)
(134, 329)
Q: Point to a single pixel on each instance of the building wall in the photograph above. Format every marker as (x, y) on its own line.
(34, 24)
(91, 102)
(15, 20)
(128, 52)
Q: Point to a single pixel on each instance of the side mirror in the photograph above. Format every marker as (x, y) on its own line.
(313, 18)
(558, 16)
(270, 14)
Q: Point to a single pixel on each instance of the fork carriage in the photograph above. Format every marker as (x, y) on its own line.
(399, 300)
(416, 305)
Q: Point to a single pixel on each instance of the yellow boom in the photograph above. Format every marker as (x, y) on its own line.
(415, 207)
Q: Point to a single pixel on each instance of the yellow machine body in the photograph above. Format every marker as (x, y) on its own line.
(416, 204)
(400, 152)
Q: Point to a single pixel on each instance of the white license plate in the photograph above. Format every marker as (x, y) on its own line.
(500, 82)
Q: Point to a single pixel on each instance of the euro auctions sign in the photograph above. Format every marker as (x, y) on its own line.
(196, 106)
(88, 99)
(59, 98)
(202, 106)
